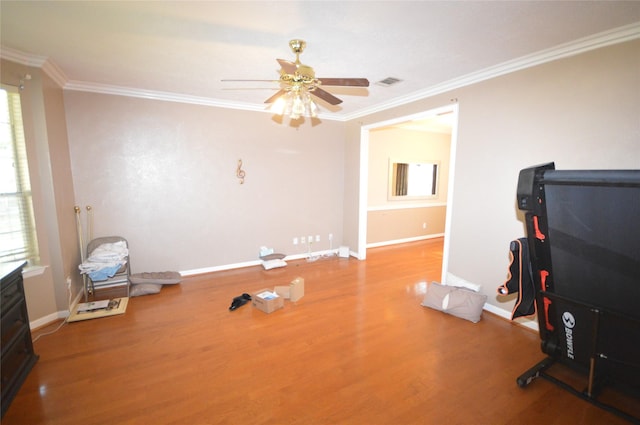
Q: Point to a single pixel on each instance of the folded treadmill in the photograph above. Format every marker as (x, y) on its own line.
(583, 236)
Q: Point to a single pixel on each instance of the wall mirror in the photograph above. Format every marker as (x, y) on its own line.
(410, 179)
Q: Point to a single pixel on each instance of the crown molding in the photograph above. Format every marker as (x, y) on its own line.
(168, 97)
(157, 95)
(22, 58)
(48, 66)
(596, 41)
(55, 73)
(603, 39)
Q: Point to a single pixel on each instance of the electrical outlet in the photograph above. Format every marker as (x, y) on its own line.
(310, 239)
(424, 225)
(303, 240)
(330, 236)
(317, 238)
(295, 241)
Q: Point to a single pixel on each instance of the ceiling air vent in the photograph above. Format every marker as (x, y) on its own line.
(389, 81)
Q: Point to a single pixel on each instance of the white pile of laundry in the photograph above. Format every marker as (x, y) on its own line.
(105, 261)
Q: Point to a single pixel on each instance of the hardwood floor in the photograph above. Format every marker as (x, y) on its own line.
(357, 349)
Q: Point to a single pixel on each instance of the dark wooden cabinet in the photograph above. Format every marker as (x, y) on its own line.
(18, 357)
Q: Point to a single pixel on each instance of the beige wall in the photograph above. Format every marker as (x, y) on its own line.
(351, 186)
(52, 189)
(393, 221)
(163, 175)
(388, 226)
(581, 112)
(388, 142)
(61, 222)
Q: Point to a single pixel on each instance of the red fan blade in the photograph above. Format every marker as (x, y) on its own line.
(275, 96)
(326, 96)
(350, 82)
(287, 66)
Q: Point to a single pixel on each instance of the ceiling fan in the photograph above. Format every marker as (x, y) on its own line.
(298, 82)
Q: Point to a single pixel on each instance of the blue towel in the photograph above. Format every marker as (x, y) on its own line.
(104, 273)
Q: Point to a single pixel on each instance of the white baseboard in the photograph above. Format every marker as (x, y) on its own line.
(43, 321)
(62, 314)
(205, 270)
(306, 255)
(398, 241)
(529, 323)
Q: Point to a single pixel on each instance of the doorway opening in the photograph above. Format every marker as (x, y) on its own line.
(443, 119)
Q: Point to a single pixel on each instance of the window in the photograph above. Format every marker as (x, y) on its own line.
(18, 241)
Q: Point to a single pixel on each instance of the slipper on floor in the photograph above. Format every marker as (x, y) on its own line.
(239, 301)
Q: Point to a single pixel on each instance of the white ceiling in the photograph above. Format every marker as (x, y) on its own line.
(182, 50)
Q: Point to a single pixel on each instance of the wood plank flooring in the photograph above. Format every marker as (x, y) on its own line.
(357, 349)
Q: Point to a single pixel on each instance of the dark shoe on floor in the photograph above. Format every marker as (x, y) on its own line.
(239, 301)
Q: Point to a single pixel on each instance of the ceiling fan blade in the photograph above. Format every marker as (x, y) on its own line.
(275, 96)
(326, 96)
(287, 66)
(349, 82)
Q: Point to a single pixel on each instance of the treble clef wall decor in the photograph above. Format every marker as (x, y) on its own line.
(240, 172)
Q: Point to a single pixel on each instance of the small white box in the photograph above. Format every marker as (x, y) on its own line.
(293, 292)
(343, 252)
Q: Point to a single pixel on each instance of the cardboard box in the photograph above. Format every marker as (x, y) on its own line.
(343, 252)
(267, 300)
(293, 292)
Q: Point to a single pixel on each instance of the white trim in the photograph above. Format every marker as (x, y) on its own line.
(44, 321)
(55, 73)
(418, 116)
(22, 58)
(31, 271)
(405, 240)
(313, 255)
(364, 174)
(363, 188)
(528, 323)
(171, 97)
(450, 192)
(62, 314)
(205, 270)
(585, 44)
(582, 45)
(408, 206)
(159, 95)
(233, 266)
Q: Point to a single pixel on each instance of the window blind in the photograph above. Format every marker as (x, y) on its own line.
(18, 240)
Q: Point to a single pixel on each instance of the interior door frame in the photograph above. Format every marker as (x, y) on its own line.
(364, 176)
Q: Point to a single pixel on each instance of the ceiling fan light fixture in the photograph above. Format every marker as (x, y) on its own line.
(278, 106)
(298, 83)
(312, 108)
(295, 103)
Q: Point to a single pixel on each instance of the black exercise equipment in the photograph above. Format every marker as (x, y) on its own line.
(583, 236)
